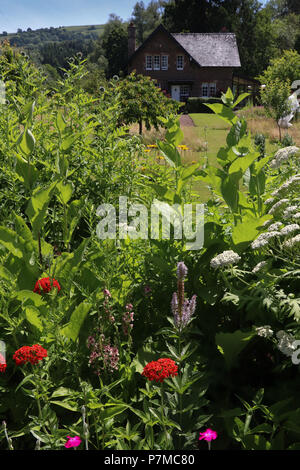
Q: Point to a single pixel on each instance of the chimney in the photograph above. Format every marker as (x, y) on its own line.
(131, 39)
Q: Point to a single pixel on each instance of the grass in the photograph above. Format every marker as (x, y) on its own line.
(258, 122)
(209, 134)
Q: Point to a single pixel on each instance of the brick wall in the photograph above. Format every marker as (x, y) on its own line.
(162, 44)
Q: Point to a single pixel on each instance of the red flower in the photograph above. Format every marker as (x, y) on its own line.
(46, 285)
(2, 363)
(32, 354)
(160, 369)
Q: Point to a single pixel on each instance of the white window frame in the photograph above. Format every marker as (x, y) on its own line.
(177, 62)
(156, 62)
(164, 62)
(149, 58)
(186, 94)
(214, 87)
(205, 85)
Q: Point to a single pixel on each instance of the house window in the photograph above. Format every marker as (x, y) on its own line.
(148, 62)
(180, 62)
(184, 92)
(164, 62)
(212, 89)
(204, 89)
(156, 62)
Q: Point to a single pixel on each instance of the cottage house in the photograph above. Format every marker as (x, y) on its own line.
(185, 64)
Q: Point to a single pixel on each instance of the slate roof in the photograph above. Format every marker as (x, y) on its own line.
(211, 49)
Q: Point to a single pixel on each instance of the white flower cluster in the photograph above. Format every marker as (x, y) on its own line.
(263, 239)
(292, 181)
(296, 216)
(224, 259)
(285, 343)
(264, 331)
(259, 266)
(289, 229)
(267, 222)
(277, 205)
(275, 226)
(288, 211)
(283, 155)
(269, 201)
(292, 242)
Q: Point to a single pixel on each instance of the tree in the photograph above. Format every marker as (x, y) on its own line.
(146, 19)
(284, 68)
(115, 47)
(141, 101)
(274, 97)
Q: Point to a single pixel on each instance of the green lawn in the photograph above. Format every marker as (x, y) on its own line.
(205, 140)
(213, 130)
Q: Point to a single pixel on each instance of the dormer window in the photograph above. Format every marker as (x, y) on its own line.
(179, 62)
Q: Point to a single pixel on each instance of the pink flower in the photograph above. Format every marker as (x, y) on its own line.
(106, 293)
(208, 435)
(147, 290)
(73, 442)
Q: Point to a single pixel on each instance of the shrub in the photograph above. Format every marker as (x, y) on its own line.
(197, 104)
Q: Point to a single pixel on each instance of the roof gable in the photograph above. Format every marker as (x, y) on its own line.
(206, 49)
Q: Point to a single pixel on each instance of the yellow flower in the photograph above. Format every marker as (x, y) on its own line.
(147, 150)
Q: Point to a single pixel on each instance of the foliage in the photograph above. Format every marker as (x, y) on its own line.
(285, 68)
(274, 97)
(63, 154)
(141, 101)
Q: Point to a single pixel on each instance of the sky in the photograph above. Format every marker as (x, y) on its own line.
(37, 14)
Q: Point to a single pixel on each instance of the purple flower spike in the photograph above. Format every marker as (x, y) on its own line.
(182, 270)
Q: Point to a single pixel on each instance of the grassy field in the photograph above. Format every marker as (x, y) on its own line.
(98, 28)
(204, 140)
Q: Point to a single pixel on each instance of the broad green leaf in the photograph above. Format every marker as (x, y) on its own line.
(223, 112)
(9, 239)
(60, 122)
(230, 191)
(240, 98)
(73, 216)
(28, 297)
(63, 392)
(37, 207)
(189, 171)
(65, 404)
(64, 190)
(170, 153)
(231, 344)
(174, 134)
(67, 143)
(247, 230)
(5, 274)
(241, 164)
(72, 329)
(26, 172)
(26, 142)
(112, 411)
(32, 316)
